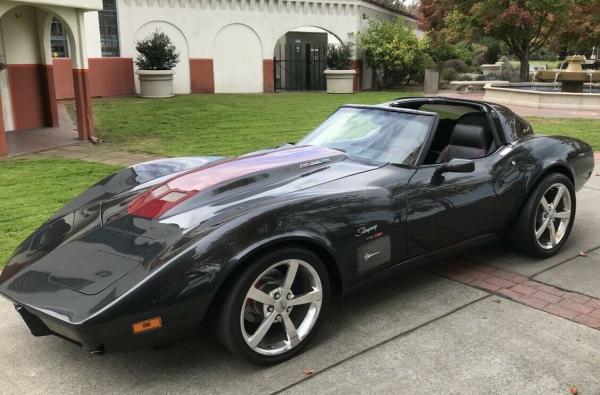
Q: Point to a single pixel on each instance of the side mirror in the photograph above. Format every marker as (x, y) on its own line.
(457, 166)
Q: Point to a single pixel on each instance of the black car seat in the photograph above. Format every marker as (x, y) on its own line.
(466, 142)
(479, 118)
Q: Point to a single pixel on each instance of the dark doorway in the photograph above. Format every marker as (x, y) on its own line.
(300, 60)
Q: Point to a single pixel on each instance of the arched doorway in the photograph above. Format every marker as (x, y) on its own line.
(300, 58)
(23, 85)
(27, 84)
(238, 63)
(181, 79)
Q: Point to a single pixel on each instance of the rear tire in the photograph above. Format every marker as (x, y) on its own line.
(545, 221)
(274, 308)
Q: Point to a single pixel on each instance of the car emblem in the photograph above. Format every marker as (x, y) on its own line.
(364, 230)
(314, 163)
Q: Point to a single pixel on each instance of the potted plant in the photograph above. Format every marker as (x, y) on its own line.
(339, 74)
(157, 57)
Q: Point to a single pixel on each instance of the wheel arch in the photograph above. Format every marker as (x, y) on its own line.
(310, 244)
(554, 167)
(532, 182)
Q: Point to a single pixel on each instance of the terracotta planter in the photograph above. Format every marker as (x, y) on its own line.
(340, 81)
(156, 83)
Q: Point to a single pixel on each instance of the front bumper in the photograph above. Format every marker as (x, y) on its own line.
(109, 336)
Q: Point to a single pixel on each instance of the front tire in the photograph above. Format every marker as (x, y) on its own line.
(273, 309)
(546, 220)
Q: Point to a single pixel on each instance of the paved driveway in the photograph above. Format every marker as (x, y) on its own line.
(451, 328)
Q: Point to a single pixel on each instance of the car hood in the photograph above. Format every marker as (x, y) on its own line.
(192, 197)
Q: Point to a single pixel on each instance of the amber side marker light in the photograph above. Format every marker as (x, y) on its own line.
(146, 326)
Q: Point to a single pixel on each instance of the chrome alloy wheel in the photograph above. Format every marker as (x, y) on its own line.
(553, 216)
(281, 307)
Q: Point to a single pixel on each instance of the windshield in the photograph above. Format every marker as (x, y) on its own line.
(373, 134)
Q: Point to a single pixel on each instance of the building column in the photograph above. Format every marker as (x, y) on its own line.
(357, 64)
(202, 77)
(81, 83)
(50, 93)
(83, 104)
(3, 144)
(44, 19)
(268, 76)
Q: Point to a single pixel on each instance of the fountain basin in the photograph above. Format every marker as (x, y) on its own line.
(543, 95)
(573, 77)
(563, 75)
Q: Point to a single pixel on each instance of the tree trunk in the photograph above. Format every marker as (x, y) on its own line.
(524, 69)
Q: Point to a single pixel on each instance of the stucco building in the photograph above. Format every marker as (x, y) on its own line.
(63, 49)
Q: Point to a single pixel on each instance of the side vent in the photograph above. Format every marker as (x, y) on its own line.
(373, 254)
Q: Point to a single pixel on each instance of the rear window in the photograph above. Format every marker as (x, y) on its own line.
(448, 111)
(517, 126)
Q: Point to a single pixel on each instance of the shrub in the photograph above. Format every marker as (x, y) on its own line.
(449, 74)
(339, 57)
(480, 59)
(393, 51)
(464, 77)
(429, 63)
(458, 65)
(156, 52)
(507, 67)
(482, 77)
(510, 76)
(492, 54)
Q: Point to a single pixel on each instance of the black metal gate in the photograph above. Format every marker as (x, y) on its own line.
(300, 66)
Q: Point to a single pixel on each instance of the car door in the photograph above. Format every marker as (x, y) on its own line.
(446, 209)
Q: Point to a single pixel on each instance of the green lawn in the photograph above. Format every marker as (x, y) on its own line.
(234, 124)
(584, 129)
(33, 189)
(218, 124)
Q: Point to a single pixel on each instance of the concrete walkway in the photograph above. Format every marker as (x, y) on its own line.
(104, 153)
(28, 141)
(488, 321)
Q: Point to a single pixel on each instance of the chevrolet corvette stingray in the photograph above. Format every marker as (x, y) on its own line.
(256, 246)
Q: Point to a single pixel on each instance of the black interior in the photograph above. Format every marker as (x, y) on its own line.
(466, 142)
(470, 136)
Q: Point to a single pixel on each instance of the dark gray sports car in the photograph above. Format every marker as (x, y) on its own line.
(257, 245)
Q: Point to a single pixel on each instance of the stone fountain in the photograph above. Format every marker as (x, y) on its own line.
(573, 78)
(578, 91)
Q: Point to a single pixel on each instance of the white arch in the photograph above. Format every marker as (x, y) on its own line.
(71, 20)
(233, 24)
(181, 79)
(238, 59)
(281, 33)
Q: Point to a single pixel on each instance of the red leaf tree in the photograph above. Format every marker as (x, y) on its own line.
(525, 26)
